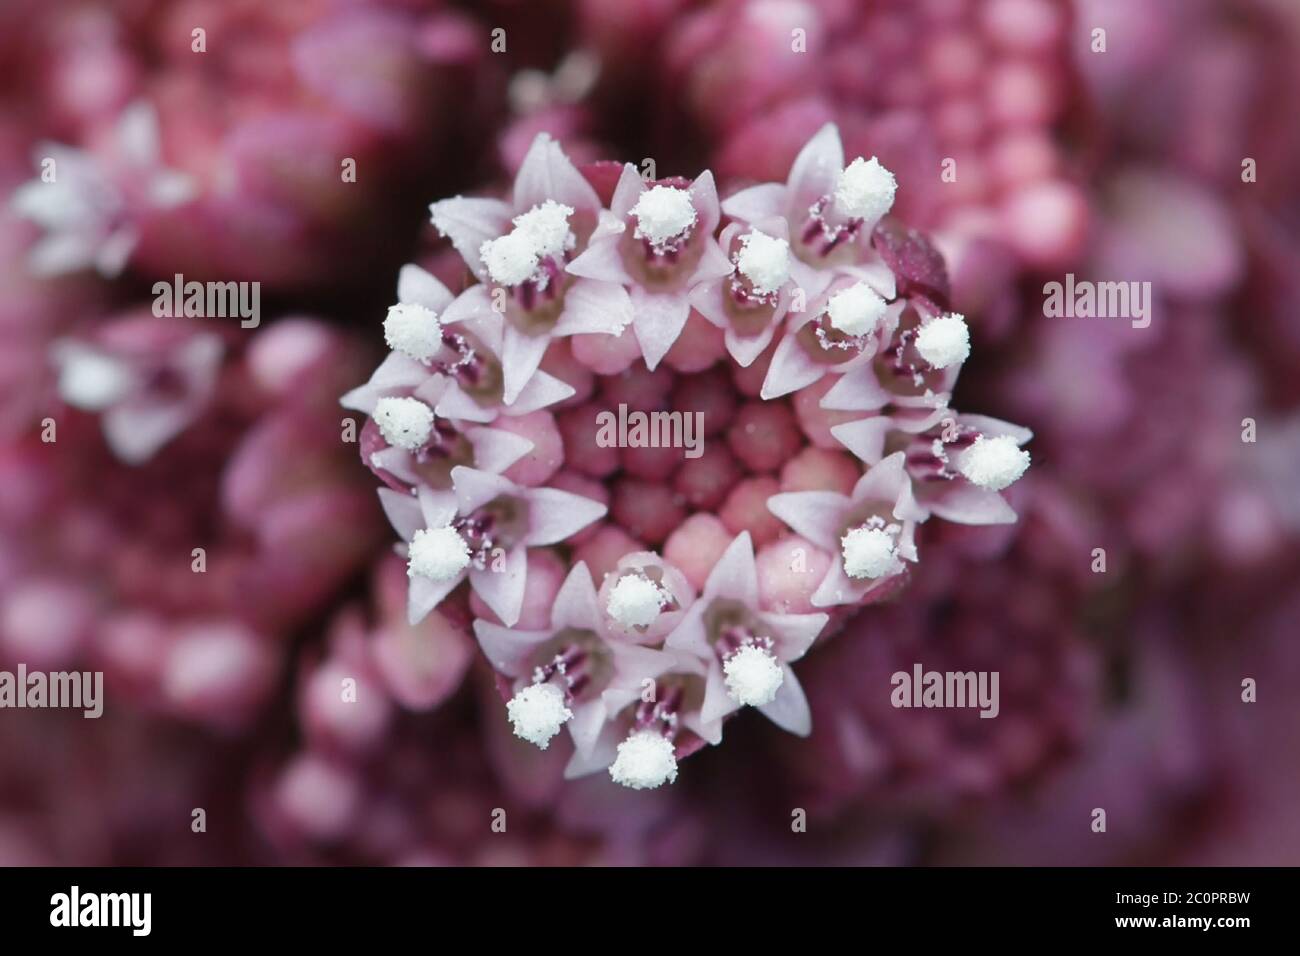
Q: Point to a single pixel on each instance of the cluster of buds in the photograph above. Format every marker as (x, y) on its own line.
(504, 471)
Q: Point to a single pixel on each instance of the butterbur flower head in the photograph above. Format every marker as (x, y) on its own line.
(834, 323)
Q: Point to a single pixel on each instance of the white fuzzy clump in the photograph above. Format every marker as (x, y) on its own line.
(993, 463)
(547, 226)
(413, 330)
(944, 341)
(645, 761)
(753, 676)
(865, 190)
(90, 380)
(510, 259)
(856, 310)
(869, 553)
(635, 601)
(404, 422)
(663, 213)
(764, 260)
(439, 554)
(537, 713)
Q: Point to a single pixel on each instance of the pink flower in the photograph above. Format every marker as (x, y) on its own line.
(657, 241)
(748, 650)
(87, 205)
(559, 674)
(519, 250)
(147, 378)
(870, 532)
(480, 531)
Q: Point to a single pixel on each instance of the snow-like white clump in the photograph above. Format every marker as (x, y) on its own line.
(865, 190)
(753, 676)
(537, 713)
(635, 601)
(510, 259)
(413, 330)
(90, 380)
(439, 554)
(404, 422)
(869, 553)
(645, 761)
(663, 213)
(764, 260)
(547, 226)
(856, 310)
(993, 463)
(944, 341)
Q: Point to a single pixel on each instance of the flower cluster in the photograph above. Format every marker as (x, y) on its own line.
(598, 290)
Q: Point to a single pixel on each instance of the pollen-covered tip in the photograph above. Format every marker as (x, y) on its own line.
(868, 553)
(944, 341)
(547, 227)
(439, 554)
(993, 463)
(865, 190)
(753, 676)
(635, 601)
(764, 260)
(404, 422)
(537, 713)
(510, 259)
(856, 310)
(413, 330)
(645, 761)
(663, 213)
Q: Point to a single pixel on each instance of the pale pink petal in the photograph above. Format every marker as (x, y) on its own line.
(965, 503)
(503, 590)
(419, 287)
(792, 368)
(817, 167)
(735, 575)
(790, 709)
(602, 261)
(547, 173)
(575, 604)
(627, 192)
(556, 515)
(469, 223)
(757, 203)
(995, 427)
(717, 702)
(474, 488)
(796, 632)
(837, 587)
(520, 356)
(496, 449)
(594, 306)
(424, 595)
(403, 512)
(704, 197)
(815, 515)
(458, 406)
(713, 264)
(883, 480)
(508, 650)
(542, 391)
(437, 507)
(858, 390)
(865, 437)
(658, 320)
